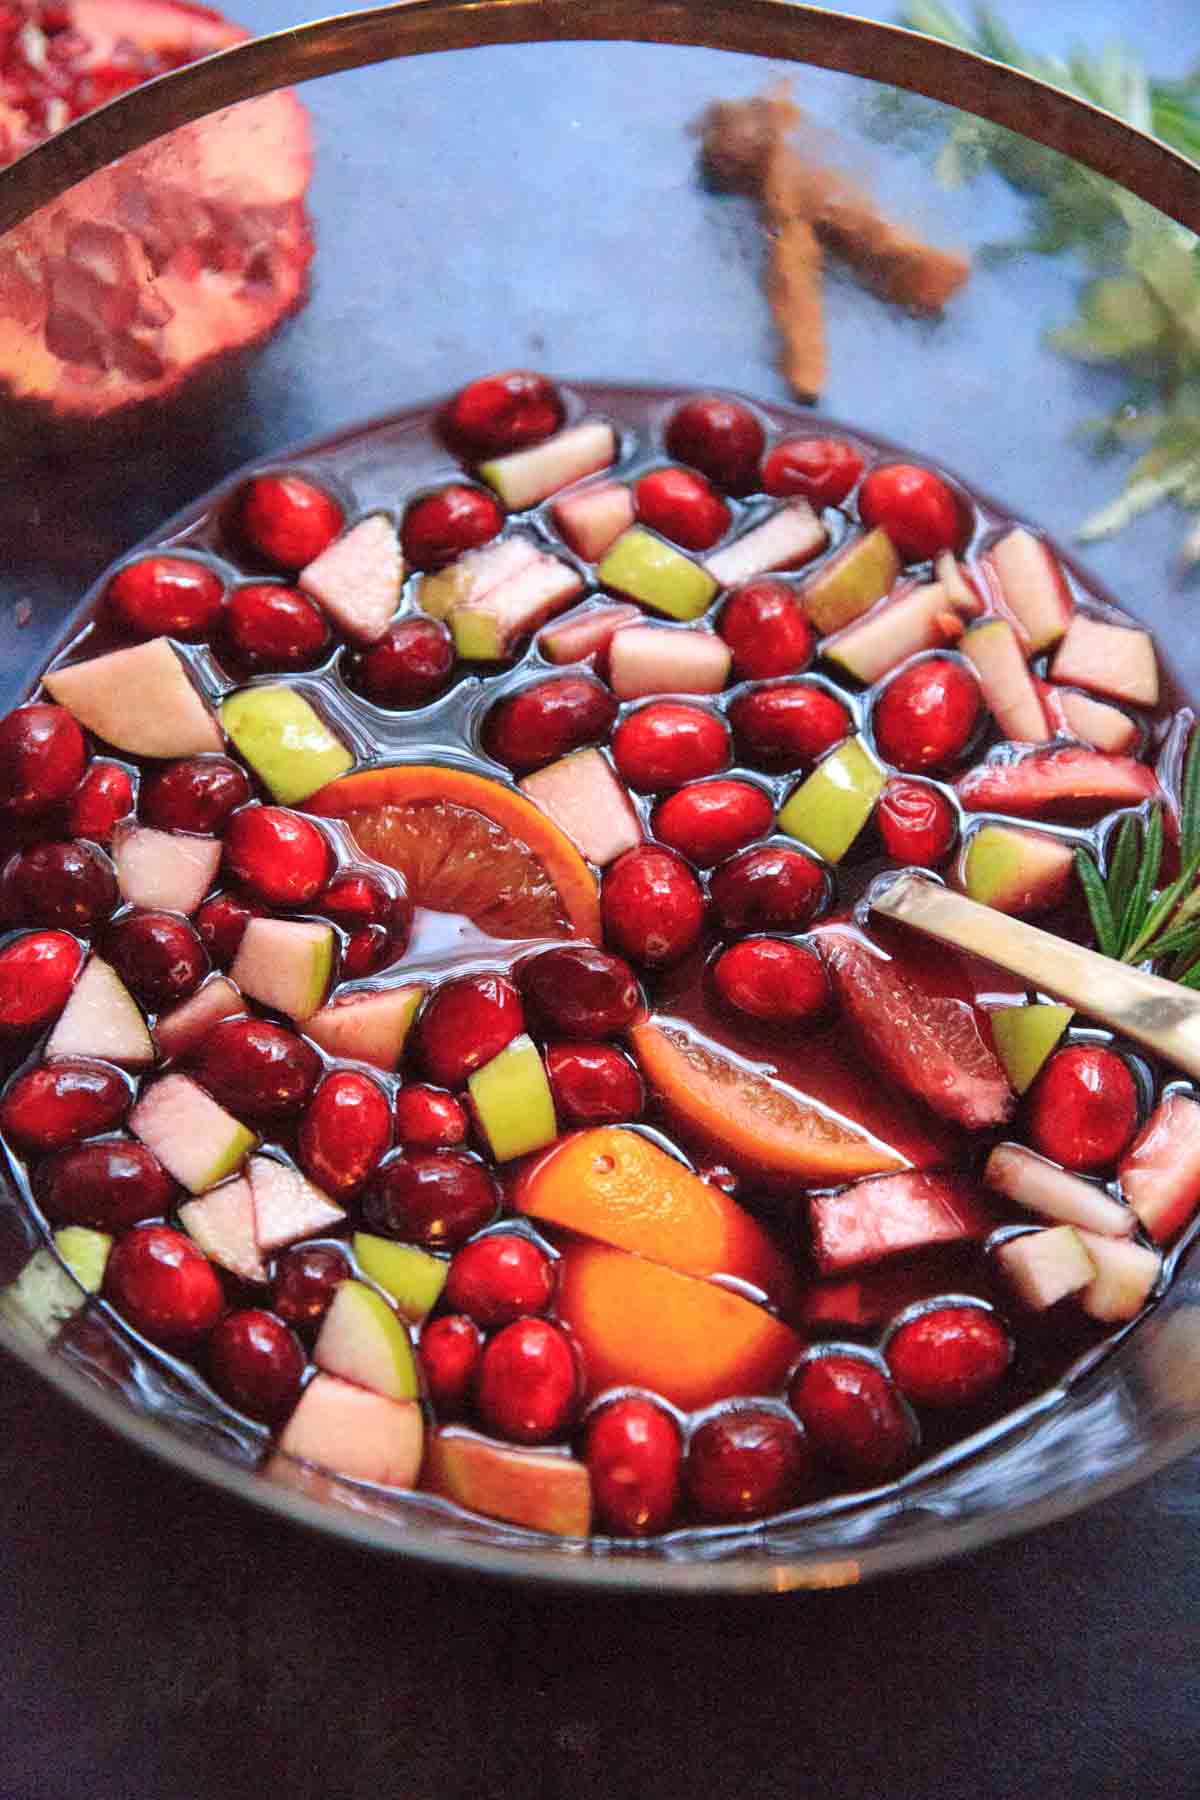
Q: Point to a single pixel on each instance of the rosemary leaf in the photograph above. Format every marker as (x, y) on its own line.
(1189, 801)
(1134, 921)
(1123, 864)
(1191, 979)
(1103, 923)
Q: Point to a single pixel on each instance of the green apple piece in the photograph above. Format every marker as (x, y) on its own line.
(140, 700)
(540, 1489)
(413, 1277)
(1024, 1036)
(650, 570)
(285, 964)
(352, 1433)
(924, 618)
(285, 741)
(830, 808)
(363, 1341)
(524, 477)
(85, 1253)
(512, 1101)
(852, 580)
(1019, 872)
(475, 574)
(485, 629)
(195, 1140)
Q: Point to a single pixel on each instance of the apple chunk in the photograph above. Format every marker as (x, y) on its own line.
(830, 808)
(667, 659)
(1024, 1036)
(646, 568)
(792, 535)
(164, 871)
(540, 1489)
(176, 1031)
(925, 618)
(285, 964)
(102, 1018)
(512, 1101)
(1160, 1172)
(287, 1205)
(413, 1277)
(861, 573)
(357, 580)
(221, 1223)
(140, 700)
(195, 1140)
(285, 741)
(1045, 1266)
(1034, 588)
(1095, 722)
(1126, 1276)
(594, 518)
(370, 1028)
(1022, 873)
(1115, 660)
(475, 574)
(352, 1432)
(85, 1253)
(486, 628)
(587, 801)
(1042, 1187)
(362, 1340)
(995, 651)
(526, 476)
(586, 632)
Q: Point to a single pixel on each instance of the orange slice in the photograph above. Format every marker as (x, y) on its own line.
(468, 845)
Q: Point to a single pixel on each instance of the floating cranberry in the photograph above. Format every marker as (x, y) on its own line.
(852, 1416)
(107, 1185)
(768, 889)
(221, 924)
(593, 1084)
(720, 437)
(104, 796)
(708, 820)
(288, 520)
(772, 980)
(499, 413)
(198, 794)
(57, 1103)
(409, 666)
(256, 1364)
(428, 1118)
(364, 951)
(653, 906)
(578, 991)
(37, 973)
(345, 1131)
(634, 1451)
(68, 885)
(438, 527)
(666, 743)
(352, 900)
(377, 921)
(1083, 1108)
(450, 1350)
(438, 1198)
(528, 1384)
(280, 856)
(926, 715)
(780, 727)
(744, 1463)
(268, 626)
(306, 1278)
(499, 1278)
(823, 470)
(682, 506)
(917, 823)
(465, 1024)
(949, 1356)
(42, 756)
(545, 721)
(915, 507)
(158, 955)
(166, 1288)
(767, 630)
(166, 596)
(258, 1070)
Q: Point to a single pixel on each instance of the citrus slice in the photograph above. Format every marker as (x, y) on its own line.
(471, 846)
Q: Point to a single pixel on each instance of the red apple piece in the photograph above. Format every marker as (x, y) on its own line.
(357, 580)
(176, 1031)
(792, 535)
(1116, 660)
(102, 1019)
(524, 477)
(1160, 1171)
(351, 1432)
(164, 871)
(594, 518)
(1033, 587)
(1045, 1266)
(659, 659)
(587, 801)
(542, 1490)
(140, 700)
(995, 651)
(1040, 1186)
(221, 1223)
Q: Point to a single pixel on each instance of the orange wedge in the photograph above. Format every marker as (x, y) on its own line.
(468, 845)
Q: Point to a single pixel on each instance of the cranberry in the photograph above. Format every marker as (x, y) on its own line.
(499, 413)
(852, 1416)
(221, 924)
(528, 1383)
(409, 666)
(823, 470)
(158, 955)
(438, 527)
(745, 1462)
(917, 822)
(103, 796)
(465, 1024)
(107, 1185)
(438, 1198)
(721, 437)
(772, 980)
(288, 520)
(198, 794)
(37, 973)
(768, 889)
(352, 900)
(593, 1084)
(926, 714)
(268, 626)
(306, 1278)
(633, 1452)
(682, 506)
(166, 596)
(256, 1364)
(427, 1118)
(364, 951)
(499, 1278)
(949, 1356)
(69, 885)
(915, 507)
(709, 820)
(345, 1131)
(545, 721)
(653, 906)
(166, 1288)
(41, 758)
(666, 743)
(257, 1069)
(281, 856)
(1083, 1108)
(578, 991)
(780, 727)
(377, 922)
(767, 630)
(450, 1350)
(57, 1103)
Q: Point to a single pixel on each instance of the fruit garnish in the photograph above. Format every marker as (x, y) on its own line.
(353, 1432)
(413, 1278)
(828, 811)
(1126, 1276)
(583, 796)
(358, 578)
(1008, 687)
(791, 536)
(1016, 871)
(542, 1490)
(101, 1018)
(1034, 588)
(1024, 1036)
(644, 660)
(927, 617)
(648, 569)
(1046, 1266)
(140, 700)
(1108, 659)
(1042, 1187)
(285, 741)
(222, 1223)
(512, 1102)
(1066, 783)
(893, 1214)
(1160, 1171)
(196, 1140)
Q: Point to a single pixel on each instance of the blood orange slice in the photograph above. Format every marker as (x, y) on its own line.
(469, 845)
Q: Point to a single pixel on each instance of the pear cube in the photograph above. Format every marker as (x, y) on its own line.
(475, 574)
(285, 964)
(664, 659)
(1042, 1187)
(586, 633)
(1160, 1171)
(362, 1340)
(195, 1140)
(357, 580)
(286, 742)
(485, 629)
(1115, 660)
(140, 700)
(1034, 588)
(512, 1101)
(85, 1253)
(925, 618)
(1126, 1276)
(1095, 722)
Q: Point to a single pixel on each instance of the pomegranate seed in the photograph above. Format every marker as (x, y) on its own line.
(852, 1416)
(768, 889)
(42, 756)
(306, 1278)
(198, 794)
(68, 885)
(915, 507)
(345, 1131)
(545, 721)
(450, 1350)
(409, 666)
(767, 630)
(221, 924)
(280, 856)
(772, 980)
(633, 1451)
(258, 1070)
(158, 955)
(925, 716)
(56, 1104)
(287, 520)
(917, 823)
(107, 1185)
(682, 506)
(103, 796)
(666, 743)
(1083, 1108)
(438, 1198)
(823, 470)
(780, 727)
(744, 1463)
(256, 1364)
(166, 1289)
(528, 1384)
(949, 1356)
(500, 413)
(37, 973)
(578, 991)
(268, 626)
(593, 1084)
(438, 527)
(465, 1024)
(709, 820)
(720, 437)
(427, 1118)
(653, 906)
(166, 596)
(498, 1278)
